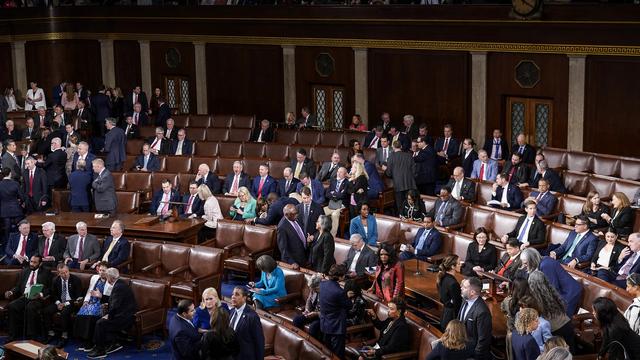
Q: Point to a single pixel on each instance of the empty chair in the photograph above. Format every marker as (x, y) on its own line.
(147, 131)
(215, 134)
(197, 134)
(134, 146)
(253, 150)
(627, 187)
(119, 180)
(332, 138)
(239, 135)
(575, 182)
(320, 154)
(580, 161)
(556, 158)
(275, 151)
(207, 148)
(221, 121)
(128, 201)
(606, 165)
(243, 121)
(308, 138)
(225, 165)
(184, 179)
(181, 120)
(601, 185)
(202, 121)
(630, 169)
(277, 167)
(230, 149)
(571, 205)
(138, 181)
(178, 164)
(286, 136)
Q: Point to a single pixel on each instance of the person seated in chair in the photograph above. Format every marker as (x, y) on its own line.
(21, 246)
(235, 180)
(115, 248)
(82, 248)
(484, 169)
(192, 204)
(181, 145)
(546, 202)
(462, 189)
(159, 145)
(271, 284)
(394, 331)
(543, 172)
(447, 211)
(517, 172)
(509, 196)
(51, 245)
(162, 199)
(413, 207)
(529, 230)
(626, 264)
(146, 161)
(579, 246)
(426, 243)
(66, 289)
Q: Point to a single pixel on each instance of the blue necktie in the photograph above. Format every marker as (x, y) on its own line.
(146, 160)
(573, 247)
(422, 240)
(441, 209)
(523, 230)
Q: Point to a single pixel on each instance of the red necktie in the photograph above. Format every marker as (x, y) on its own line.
(166, 204)
(481, 171)
(80, 248)
(513, 170)
(446, 145)
(260, 188)
(234, 186)
(46, 248)
(135, 119)
(24, 246)
(32, 278)
(31, 184)
(154, 143)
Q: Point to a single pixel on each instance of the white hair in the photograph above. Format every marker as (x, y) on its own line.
(81, 225)
(113, 273)
(49, 225)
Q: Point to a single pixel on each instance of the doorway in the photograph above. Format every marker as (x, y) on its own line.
(532, 117)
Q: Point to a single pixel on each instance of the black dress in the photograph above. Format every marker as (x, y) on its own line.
(597, 216)
(629, 339)
(486, 259)
(213, 347)
(622, 220)
(450, 297)
(321, 253)
(417, 212)
(359, 183)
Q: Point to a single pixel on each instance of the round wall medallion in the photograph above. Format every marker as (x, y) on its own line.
(325, 65)
(173, 58)
(527, 74)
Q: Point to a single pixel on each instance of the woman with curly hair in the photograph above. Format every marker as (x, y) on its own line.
(523, 344)
(389, 279)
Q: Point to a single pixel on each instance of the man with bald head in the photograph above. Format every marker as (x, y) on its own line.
(55, 165)
(462, 189)
(526, 151)
(207, 177)
(292, 242)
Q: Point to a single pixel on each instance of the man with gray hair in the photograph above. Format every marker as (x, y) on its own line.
(115, 146)
(104, 191)
(55, 165)
(409, 127)
(360, 258)
(264, 133)
(159, 145)
(82, 248)
(235, 180)
(83, 154)
(120, 315)
(552, 177)
(51, 245)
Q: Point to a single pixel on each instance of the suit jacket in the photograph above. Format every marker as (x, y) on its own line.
(367, 259)
(133, 133)
(143, 118)
(250, 336)
(394, 340)
(164, 113)
(369, 139)
(431, 244)
(157, 197)
(242, 181)
(174, 132)
(187, 147)
(613, 258)
(120, 252)
(504, 148)
(38, 120)
(452, 149)
(74, 286)
(583, 251)
(370, 236)
(537, 230)
(55, 167)
(275, 212)
(12, 246)
(547, 203)
(317, 191)
(380, 160)
(490, 170)
(267, 135)
(122, 303)
(44, 278)
(451, 212)
(185, 339)
(142, 99)
(115, 146)
(623, 222)
(404, 139)
(315, 211)
(376, 186)
(324, 174)
(321, 253)
(283, 190)
(520, 172)
(165, 145)
(101, 107)
(104, 192)
(415, 212)
(528, 155)
(270, 185)
(308, 166)
(570, 289)
(56, 248)
(514, 196)
(40, 186)
(401, 168)
(310, 121)
(90, 247)
(334, 304)
(10, 197)
(479, 327)
(88, 159)
(11, 162)
(153, 163)
(85, 120)
(34, 134)
(338, 195)
(555, 182)
(292, 248)
(426, 166)
(197, 207)
(512, 269)
(212, 182)
(80, 186)
(486, 259)
(467, 189)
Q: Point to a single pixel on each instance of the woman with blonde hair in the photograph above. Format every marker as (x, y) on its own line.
(212, 213)
(622, 215)
(210, 302)
(453, 343)
(70, 98)
(290, 120)
(449, 289)
(244, 206)
(357, 187)
(117, 103)
(523, 344)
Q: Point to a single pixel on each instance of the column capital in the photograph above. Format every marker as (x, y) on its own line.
(478, 53)
(144, 42)
(576, 57)
(105, 41)
(199, 43)
(18, 44)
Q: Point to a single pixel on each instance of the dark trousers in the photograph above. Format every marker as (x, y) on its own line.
(610, 277)
(335, 342)
(25, 312)
(427, 189)
(314, 325)
(568, 333)
(106, 330)
(400, 197)
(205, 234)
(80, 208)
(31, 205)
(65, 317)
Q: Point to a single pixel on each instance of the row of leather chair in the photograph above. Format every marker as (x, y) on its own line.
(593, 163)
(128, 201)
(579, 183)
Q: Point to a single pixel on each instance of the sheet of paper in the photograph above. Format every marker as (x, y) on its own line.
(28, 347)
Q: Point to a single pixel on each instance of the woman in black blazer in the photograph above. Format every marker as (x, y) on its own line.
(449, 289)
(481, 256)
(357, 188)
(593, 209)
(621, 217)
(600, 260)
(413, 207)
(394, 331)
(321, 249)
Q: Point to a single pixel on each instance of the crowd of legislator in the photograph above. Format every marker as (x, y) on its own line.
(306, 203)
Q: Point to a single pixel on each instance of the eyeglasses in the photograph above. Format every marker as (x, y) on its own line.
(632, 281)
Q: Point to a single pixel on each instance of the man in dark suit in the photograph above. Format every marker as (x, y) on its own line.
(334, 304)
(69, 131)
(164, 113)
(193, 205)
(385, 122)
(170, 130)
(137, 96)
(426, 243)
(120, 315)
(276, 210)
(246, 324)
(366, 258)
(79, 187)
(66, 289)
(462, 189)
(35, 186)
(476, 317)
(235, 180)
(51, 245)
(207, 177)
(526, 151)
(383, 151)
(546, 202)
(183, 335)
(101, 107)
(263, 184)
(10, 160)
(496, 146)
(160, 204)
(131, 130)
(288, 184)
(446, 211)
(159, 144)
(410, 128)
(517, 172)
(302, 164)
(315, 186)
(23, 306)
(55, 165)
(57, 92)
(146, 161)
(82, 248)
(31, 131)
(81, 91)
(338, 198)
(139, 117)
(447, 147)
(84, 115)
(543, 172)
(83, 154)
(115, 145)
(182, 145)
(264, 133)
(509, 196)
(529, 230)
(42, 119)
(329, 169)
(373, 138)
(104, 191)
(115, 249)
(579, 246)
(21, 246)
(426, 168)
(308, 213)
(292, 242)
(307, 120)
(401, 168)
(397, 135)
(11, 196)
(626, 264)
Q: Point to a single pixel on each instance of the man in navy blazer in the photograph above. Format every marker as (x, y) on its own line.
(117, 253)
(239, 177)
(17, 252)
(543, 172)
(426, 167)
(164, 113)
(496, 146)
(292, 241)
(275, 211)
(579, 246)
(79, 186)
(426, 243)
(488, 172)
(288, 184)
(146, 161)
(302, 164)
(447, 147)
(115, 146)
(513, 197)
(182, 145)
(526, 151)
(395, 134)
(313, 212)
(545, 201)
(317, 190)
(193, 206)
(334, 304)
(264, 184)
(207, 177)
(246, 323)
(627, 263)
(183, 335)
(83, 153)
(159, 203)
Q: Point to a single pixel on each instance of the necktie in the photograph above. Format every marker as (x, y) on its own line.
(441, 209)
(135, 118)
(523, 230)
(135, 98)
(462, 312)
(260, 136)
(569, 253)
(235, 318)
(31, 183)
(32, 278)
(338, 185)
(521, 150)
(260, 187)
(374, 143)
(457, 187)
(423, 238)
(511, 172)
(80, 247)
(189, 204)
(624, 270)
(165, 198)
(385, 154)
(333, 166)
(296, 226)
(146, 161)
(65, 291)
(111, 246)
(80, 113)
(497, 150)
(234, 186)
(306, 215)
(45, 253)
(179, 148)
(539, 196)
(296, 173)
(481, 177)
(446, 145)
(128, 129)
(286, 187)
(24, 246)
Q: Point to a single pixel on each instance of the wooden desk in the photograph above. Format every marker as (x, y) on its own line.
(14, 351)
(184, 231)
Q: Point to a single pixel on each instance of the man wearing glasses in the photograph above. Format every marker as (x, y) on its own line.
(579, 245)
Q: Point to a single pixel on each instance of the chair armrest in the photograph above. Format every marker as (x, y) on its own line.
(232, 246)
(458, 226)
(401, 355)
(289, 298)
(209, 243)
(551, 217)
(124, 264)
(151, 266)
(355, 329)
(259, 253)
(178, 270)
(200, 278)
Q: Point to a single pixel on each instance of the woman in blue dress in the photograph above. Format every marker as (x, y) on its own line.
(210, 301)
(271, 284)
(91, 310)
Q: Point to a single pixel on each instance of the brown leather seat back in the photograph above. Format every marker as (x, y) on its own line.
(258, 238)
(427, 337)
(225, 202)
(349, 135)
(9, 278)
(205, 260)
(229, 232)
(202, 121)
(119, 179)
(483, 192)
(217, 134)
(149, 295)
(409, 230)
(184, 180)
(558, 233)
(85, 279)
(243, 121)
(341, 250)
(221, 121)
(147, 131)
(138, 181)
(286, 136)
(580, 161)
(388, 229)
(630, 169)
(308, 138)
(310, 352)
(606, 165)
(128, 201)
(504, 222)
(556, 158)
(276, 168)
(286, 343)
(158, 178)
(178, 164)
(269, 331)
(277, 152)
(621, 297)
(460, 245)
(129, 161)
(230, 149)
(294, 281)
(429, 202)
(197, 133)
(144, 253)
(590, 292)
(571, 205)
(174, 256)
(60, 200)
(253, 150)
(447, 243)
(252, 166)
(240, 135)
(225, 165)
(207, 148)
(332, 138)
(627, 187)
(602, 185)
(320, 154)
(575, 182)
(211, 161)
(415, 332)
(181, 120)
(477, 217)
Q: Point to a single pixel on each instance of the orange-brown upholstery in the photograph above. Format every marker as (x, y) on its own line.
(229, 149)
(277, 152)
(630, 169)
(151, 298)
(239, 135)
(178, 164)
(197, 133)
(221, 121)
(308, 138)
(332, 138)
(207, 148)
(286, 136)
(204, 270)
(606, 165)
(579, 161)
(128, 201)
(253, 150)
(202, 121)
(217, 134)
(243, 121)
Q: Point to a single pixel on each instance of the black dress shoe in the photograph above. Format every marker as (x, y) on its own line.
(113, 348)
(97, 354)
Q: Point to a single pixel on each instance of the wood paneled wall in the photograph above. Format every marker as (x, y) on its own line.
(307, 76)
(126, 57)
(245, 80)
(612, 109)
(553, 84)
(51, 62)
(6, 67)
(187, 67)
(434, 87)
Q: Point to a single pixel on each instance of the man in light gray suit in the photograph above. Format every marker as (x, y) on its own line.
(401, 168)
(104, 191)
(447, 211)
(82, 248)
(383, 151)
(329, 169)
(115, 145)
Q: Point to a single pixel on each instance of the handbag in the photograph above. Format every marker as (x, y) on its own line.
(608, 348)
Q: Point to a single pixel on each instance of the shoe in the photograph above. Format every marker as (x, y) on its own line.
(113, 348)
(86, 346)
(61, 343)
(97, 354)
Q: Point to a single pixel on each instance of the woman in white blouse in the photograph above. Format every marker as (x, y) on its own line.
(35, 98)
(212, 213)
(11, 100)
(606, 253)
(632, 314)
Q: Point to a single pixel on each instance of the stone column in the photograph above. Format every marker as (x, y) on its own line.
(478, 96)
(289, 71)
(19, 69)
(361, 85)
(201, 77)
(575, 119)
(145, 65)
(108, 63)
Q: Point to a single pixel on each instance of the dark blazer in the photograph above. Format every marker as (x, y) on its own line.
(153, 164)
(308, 166)
(197, 207)
(512, 269)
(321, 253)
(411, 131)
(315, 211)
(275, 213)
(56, 248)
(88, 159)
(242, 181)
(401, 168)
(143, 118)
(122, 303)
(339, 194)
(174, 132)
(555, 182)
(369, 139)
(10, 197)
(486, 259)
(165, 145)
(120, 252)
(309, 122)
(44, 278)
(524, 347)
(597, 215)
(467, 189)
(115, 146)
(452, 149)
(324, 173)
(74, 286)
(376, 186)
(452, 212)
(417, 212)
(80, 187)
(479, 328)
(528, 155)
(101, 107)
(283, 191)
(185, 339)
(360, 183)
(431, 245)
(133, 133)
(46, 120)
(12, 163)
(270, 185)
(267, 135)
(615, 253)
(317, 191)
(405, 142)
(584, 250)
(249, 334)
(537, 230)
(570, 289)
(90, 249)
(450, 296)
(212, 182)
(380, 160)
(40, 186)
(33, 135)
(187, 147)
(164, 113)
(142, 99)
(292, 248)
(12, 246)
(157, 197)
(504, 148)
(467, 163)
(334, 305)
(85, 120)
(520, 172)
(55, 166)
(396, 339)
(623, 222)
(367, 259)
(426, 166)
(547, 203)
(514, 197)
